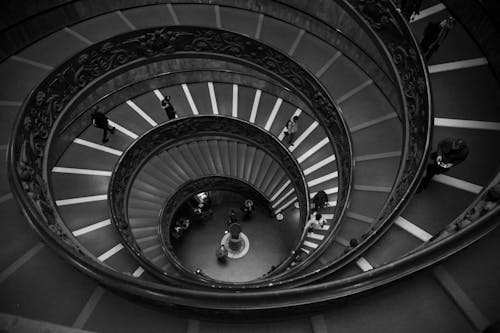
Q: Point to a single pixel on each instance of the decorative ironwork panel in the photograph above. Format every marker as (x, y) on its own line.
(395, 35)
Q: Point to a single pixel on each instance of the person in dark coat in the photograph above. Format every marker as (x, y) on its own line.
(320, 200)
(410, 8)
(291, 129)
(167, 106)
(222, 253)
(434, 35)
(99, 120)
(451, 152)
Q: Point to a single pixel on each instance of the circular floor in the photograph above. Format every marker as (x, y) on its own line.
(268, 246)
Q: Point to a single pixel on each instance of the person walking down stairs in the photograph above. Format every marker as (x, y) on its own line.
(292, 127)
(434, 35)
(451, 152)
(99, 120)
(316, 222)
(167, 106)
(409, 8)
(320, 200)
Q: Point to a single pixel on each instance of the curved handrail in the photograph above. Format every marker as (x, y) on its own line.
(275, 300)
(402, 47)
(155, 82)
(390, 29)
(397, 40)
(171, 133)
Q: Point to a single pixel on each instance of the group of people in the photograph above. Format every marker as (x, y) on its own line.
(100, 120)
(247, 209)
(181, 226)
(193, 214)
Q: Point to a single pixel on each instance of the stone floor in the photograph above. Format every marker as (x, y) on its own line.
(268, 247)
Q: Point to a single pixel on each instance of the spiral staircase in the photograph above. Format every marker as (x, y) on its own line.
(370, 111)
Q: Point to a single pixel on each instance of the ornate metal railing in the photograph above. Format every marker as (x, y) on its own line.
(171, 133)
(54, 96)
(398, 42)
(26, 162)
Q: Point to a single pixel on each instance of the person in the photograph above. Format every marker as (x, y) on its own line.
(247, 209)
(320, 200)
(99, 120)
(316, 222)
(222, 253)
(292, 127)
(301, 255)
(167, 106)
(185, 223)
(352, 244)
(197, 211)
(434, 35)
(202, 213)
(451, 152)
(177, 232)
(410, 8)
(206, 212)
(232, 218)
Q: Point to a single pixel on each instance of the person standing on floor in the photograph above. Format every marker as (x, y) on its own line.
(167, 106)
(292, 127)
(232, 218)
(99, 120)
(434, 35)
(222, 253)
(247, 209)
(450, 152)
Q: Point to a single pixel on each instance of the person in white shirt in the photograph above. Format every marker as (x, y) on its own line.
(316, 222)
